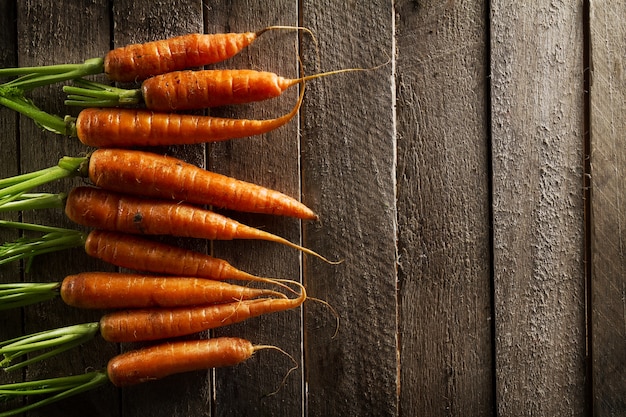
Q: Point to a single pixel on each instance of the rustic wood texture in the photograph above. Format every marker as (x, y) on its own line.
(608, 170)
(538, 227)
(450, 181)
(443, 209)
(349, 180)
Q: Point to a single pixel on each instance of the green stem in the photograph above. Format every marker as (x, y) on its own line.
(22, 294)
(33, 77)
(11, 188)
(92, 94)
(51, 342)
(47, 121)
(64, 387)
(36, 201)
(54, 239)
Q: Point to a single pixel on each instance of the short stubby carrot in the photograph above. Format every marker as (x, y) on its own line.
(160, 323)
(124, 128)
(101, 209)
(159, 361)
(139, 253)
(140, 61)
(153, 175)
(107, 290)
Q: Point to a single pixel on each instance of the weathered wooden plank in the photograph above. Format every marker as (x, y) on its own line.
(271, 160)
(537, 142)
(348, 177)
(59, 32)
(443, 209)
(137, 22)
(608, 170)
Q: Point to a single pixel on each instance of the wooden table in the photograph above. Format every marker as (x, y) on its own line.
(473, 186)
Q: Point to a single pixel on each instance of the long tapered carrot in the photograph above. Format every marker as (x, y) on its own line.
(124, 250)
(101, 209)
(158, 323)
(140, 61)
(123, 128)
(160, 361)
(105, 290)
(189, 90)
(154, 175)
(141, 254)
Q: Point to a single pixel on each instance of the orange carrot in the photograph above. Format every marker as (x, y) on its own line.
(123, 128)
(189, 89)
(152, 175)
(100, 209)
(160, 323)
(135, 252)
(140, 61)
(105, 290)
(159, 361)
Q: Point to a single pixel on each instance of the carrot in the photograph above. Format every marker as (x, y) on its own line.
(123, 128)
(157, 362)
(123, 250)
(105, 290)
(153, 175)
(188, 90)
(140, 61)
(133, 367)
(158, 323)
(100, 209)
(135, 252)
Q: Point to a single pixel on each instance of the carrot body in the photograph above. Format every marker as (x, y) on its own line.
(186, 90)
(107, 210)
(123, 128)
(159, 323)
(159, 361)
(106, 290)
(153, 175)
(140, 61)
(135, 252)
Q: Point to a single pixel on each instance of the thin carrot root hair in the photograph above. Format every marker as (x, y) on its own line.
(291, 82)
(332, 310)
(282, 27)
(295, 366)
(301, 296)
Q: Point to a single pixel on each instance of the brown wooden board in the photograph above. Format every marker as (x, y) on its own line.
(608, 170)
(348, 178)
(443, 209)
(537, 158)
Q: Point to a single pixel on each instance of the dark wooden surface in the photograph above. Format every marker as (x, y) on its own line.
(480, 276)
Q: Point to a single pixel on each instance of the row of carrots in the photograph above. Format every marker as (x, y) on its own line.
(134, 193)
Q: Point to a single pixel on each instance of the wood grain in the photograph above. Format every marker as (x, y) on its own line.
(537, 154)
(608, 170)
(348, 177)
(443, 209)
